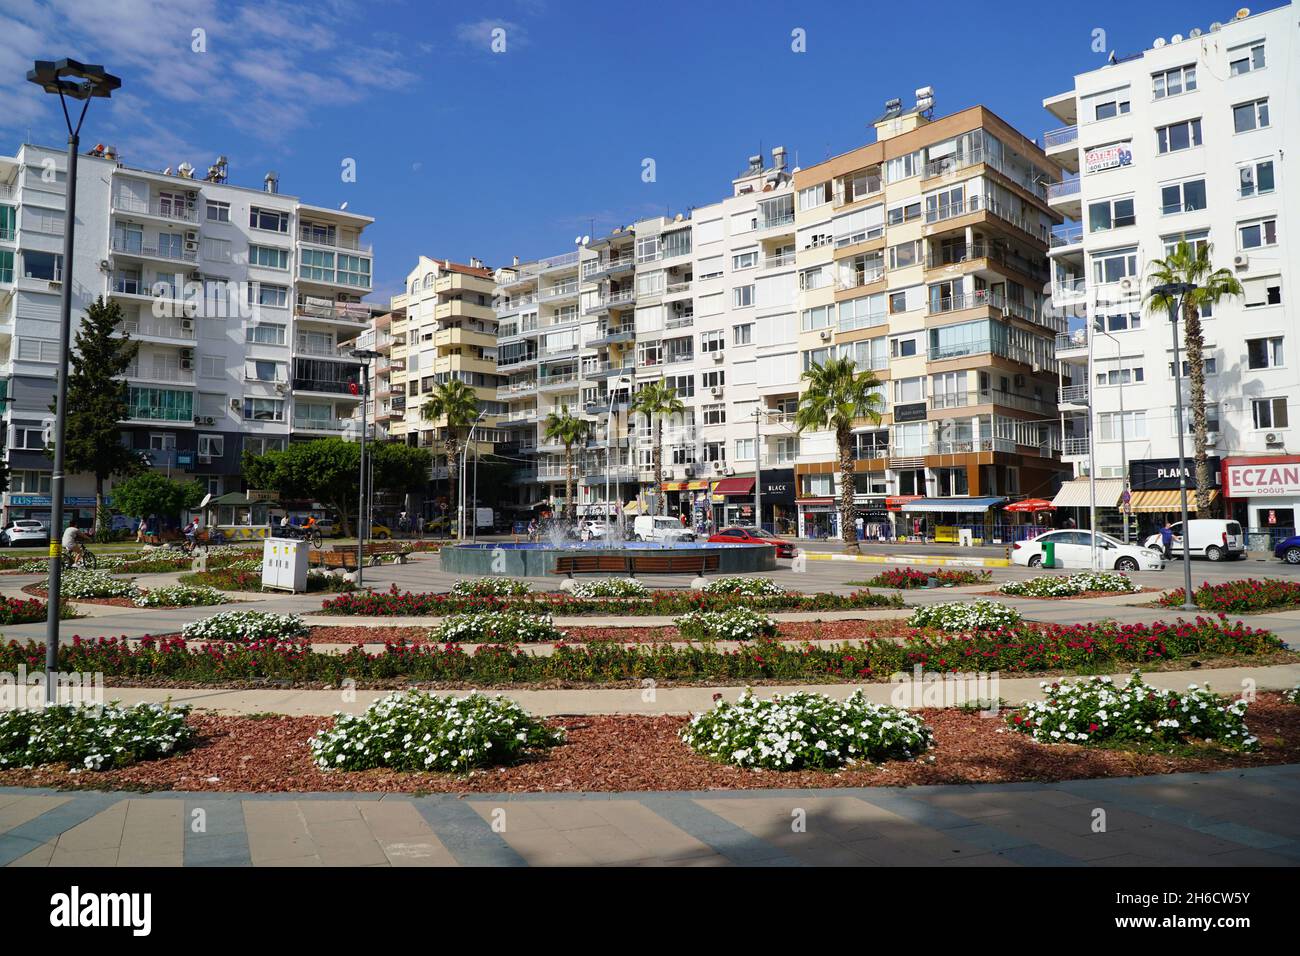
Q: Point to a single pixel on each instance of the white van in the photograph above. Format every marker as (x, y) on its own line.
(660, 528)
(1212, 538)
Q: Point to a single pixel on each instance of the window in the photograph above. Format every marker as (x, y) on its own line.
(1257, 233)
(714, 414)
(1113, 266)
(1246, 59)
(903, 347)
(264, 409)
(1176, 136)
(902, 167)
(1112, 108)
(676, 243)
(744, 449)
(715, 451)
(714, 379)
(1269, 412)
(815, 196)
(742, 296)
(1134, 425)
(264, 333)
(218, 211)
(710, 268)
(683, 385)
(816, 277)
(647, 248)
(29, 439)
(1261, 291)
(818, 318)
(1110, 214)
(1264, 353)
(268, 257)
(1210, 362)
(1182, 197)
(42, 265)
(1196, 239)
(316, 264)
(274, 296)
(905, 254)
(863, 312)
(742, 334)
(816, 357)
(260, 446)
(1189, 427)
(907, 212)
(1249, 116)
(649, 353)
(897, 302)
(1117, 376)
(219, 250)
(272, 220)
(211, 366)
(354, 271)
(259, 370)
(907, 390)
(1256, 178)
(744, 260)
(1173, 82)
(211, 446)
(31, 482)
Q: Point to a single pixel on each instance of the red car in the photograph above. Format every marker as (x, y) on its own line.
(739, 534)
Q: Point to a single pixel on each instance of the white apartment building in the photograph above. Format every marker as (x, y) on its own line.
(1186, 140)
(240, 299)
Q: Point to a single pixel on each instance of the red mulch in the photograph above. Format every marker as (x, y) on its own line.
(1069, 597)
(643, 753)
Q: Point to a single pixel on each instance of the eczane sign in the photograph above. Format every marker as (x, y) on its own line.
(1262, 479)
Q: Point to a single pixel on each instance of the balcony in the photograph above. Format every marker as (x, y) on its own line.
(324, 387)
(1066, 189)
(944, 212)
(614, 301)
(606, 370)
(1076, 448)
(516, 390)
(870, 452)
(785, 221)
(859, 277)
(508, 304)
(612, 335)
(608, 266)
(149, 329)
(1074, 341)
(1075, 396)
(557, 381)
(331, 240)
(676, 289)
(683, 320)
(325, 425)
(1065, 236)
(307, 347)
(166, 253)
(561, 291)
(778, 262)
(856, 189)
(939, 305)
(324, 310)
(170, 210)
(160, 372)
(1057, 139)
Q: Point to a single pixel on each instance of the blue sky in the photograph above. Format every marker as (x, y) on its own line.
(462, 151)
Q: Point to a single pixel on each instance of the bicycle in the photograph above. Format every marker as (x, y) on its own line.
(310, 535)
(83, 560)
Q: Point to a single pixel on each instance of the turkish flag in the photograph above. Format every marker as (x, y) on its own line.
(352, 387)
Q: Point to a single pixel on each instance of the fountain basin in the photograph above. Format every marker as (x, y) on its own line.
(529, 559)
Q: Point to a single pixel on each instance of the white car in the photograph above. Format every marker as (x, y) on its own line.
(598, 529)
(1074, 550)
(24, 531)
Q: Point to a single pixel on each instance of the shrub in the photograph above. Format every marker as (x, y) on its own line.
(755, 587)
(323, 581)
(1068, 585)
(1292, 696)
(246, 626)
(491, 587)
(1095, 711)
(610, 587)
(735, 624)
(416, 731)
(96, 738)
(496, 627)
(907, 578)
(27, 611)
(802, 730)
(234, 578)
(1237, 597)
(965, 616)
(77, 583)
(180, 595)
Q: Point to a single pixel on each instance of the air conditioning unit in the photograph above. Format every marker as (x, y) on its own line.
(192, 194)
(689, 471)
(718, 466)
(718, 356)
(826, 335)
(187, 325)
(1211, 439)
(1126, 285)
(728, 471)
(205, 459)
(716, 391)
(191, 237)
(209, 420)
(191, 245)
(1037, 368)
(234, 405)
(1241, 261)
(1272, 438)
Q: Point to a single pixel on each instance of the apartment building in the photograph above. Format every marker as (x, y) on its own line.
(239, 298)
(922, 256)
(1183, 141)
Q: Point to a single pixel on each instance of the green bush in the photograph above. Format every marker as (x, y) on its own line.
(734, 624)
(93, 738)
(496, 627)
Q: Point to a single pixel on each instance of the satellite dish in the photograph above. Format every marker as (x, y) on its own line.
(586, 239)
(1158, 42)
(343, 206)
(206, 499)
(1216, 26)
(1194, 32)
(1176, 38)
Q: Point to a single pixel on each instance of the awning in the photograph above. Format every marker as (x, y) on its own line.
(734, 486)
(1165, 500)
(685, 485)
(952, 505)
(816, 501)
(1077, 493)
(1030, 506)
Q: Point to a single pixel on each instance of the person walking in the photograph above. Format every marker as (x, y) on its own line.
(1167, 541)
(139, 532)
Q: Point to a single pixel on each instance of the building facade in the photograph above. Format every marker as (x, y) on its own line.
(240, 299)
(1184, 141)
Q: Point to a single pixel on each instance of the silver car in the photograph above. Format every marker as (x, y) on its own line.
(25, 531)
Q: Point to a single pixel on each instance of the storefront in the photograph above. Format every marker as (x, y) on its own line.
(818, 517)
(40, 508)
(1155, 496)
(733, 502)
(954, 520)
(876, 524)
(1263, 493)
(779, 514)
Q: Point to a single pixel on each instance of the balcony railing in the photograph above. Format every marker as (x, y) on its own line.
(860, 277)
(597, 266)
(1070, 235)
(161, 373)
(165, 330)
(560, 291)
(1073, 395)
(1064, 136)
(1073, 447)
(154, 252)
(304, 347)
(321, 424)
(516, 389)
(685, 320)
(511, 305)
(676, 288)
(1069, 341)
(775, 221)
(333, 311)
(1063, 189)
(334, 241)
(182, 212)
(331, 386)
(968, 300)
(776, 262)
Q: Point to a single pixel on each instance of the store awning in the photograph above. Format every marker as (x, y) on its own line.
(1165, 500)
(952, 505)
(685, 485)
(734, 486)
(1078, 494)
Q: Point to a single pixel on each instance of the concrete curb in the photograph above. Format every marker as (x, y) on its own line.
(922, 559)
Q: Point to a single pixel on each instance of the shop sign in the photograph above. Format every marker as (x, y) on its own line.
(1154, 474)
(914, 412)
(1263, 479)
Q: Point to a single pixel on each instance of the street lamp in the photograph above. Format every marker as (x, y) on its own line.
(615, 386)
(1123, 449)
(464, 457)
(80, 81)
(1175, 293)
(366, 356)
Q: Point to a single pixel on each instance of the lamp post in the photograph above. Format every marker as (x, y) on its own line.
(80, 81)
(365, 356)
(1123, 449)
(1175, 293)
(464, 458)
(758, 467)
(618, 384)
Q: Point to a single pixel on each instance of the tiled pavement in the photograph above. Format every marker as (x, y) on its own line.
(1231, 818)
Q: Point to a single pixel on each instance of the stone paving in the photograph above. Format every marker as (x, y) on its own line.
(1175, 820)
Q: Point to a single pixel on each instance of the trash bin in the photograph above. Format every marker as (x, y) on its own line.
(1049, 554)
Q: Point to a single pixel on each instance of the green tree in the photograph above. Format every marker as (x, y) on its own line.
(568, 430)
(97, 403)
(456, 405)
(654, 401)
(148, 493)
(399, 466)
(1193, 264)
(836, 398)
(327, 470)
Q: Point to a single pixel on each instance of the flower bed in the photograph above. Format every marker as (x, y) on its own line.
(1292, 696)
(496, 627)
(753, 587)
(666, 603)
(18, 611)
(1094, 711)
(965, 616)
(1239, 597)
(180, 595)
(1072, 585)
(415, 731)
(491, 587)
(908, 578)
(93, 738)
(799, 731)
(734, 624)
(76, 583)
(246, 626)
(236, 579)
(609, 588)
(1026, 648)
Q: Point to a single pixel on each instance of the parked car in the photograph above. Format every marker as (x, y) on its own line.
(1212, 538)
(25, 531)
(748, 534)
(660, 528)
(1288, 549)
(599, 530)
(1074, 550)
(379, 532)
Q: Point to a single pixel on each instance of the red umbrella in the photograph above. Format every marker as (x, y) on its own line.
(1030, 505)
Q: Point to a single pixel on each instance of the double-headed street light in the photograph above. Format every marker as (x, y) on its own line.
(78, 81)
(1175, 293)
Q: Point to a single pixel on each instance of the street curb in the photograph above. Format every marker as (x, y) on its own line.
(910, 559)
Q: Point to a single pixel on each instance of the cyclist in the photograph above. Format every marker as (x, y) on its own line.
(191, 532)
(72, 548)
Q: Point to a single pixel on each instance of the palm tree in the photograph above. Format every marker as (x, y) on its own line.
(1192, 264)
(457, 404)
(837, 396)
(654, 401)
(568, 430)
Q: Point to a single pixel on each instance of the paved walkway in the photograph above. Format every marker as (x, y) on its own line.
(1175, 820)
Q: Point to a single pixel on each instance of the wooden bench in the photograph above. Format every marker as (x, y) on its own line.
(372, 551)
(347, 560)
(673, 563)
(571, 564)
